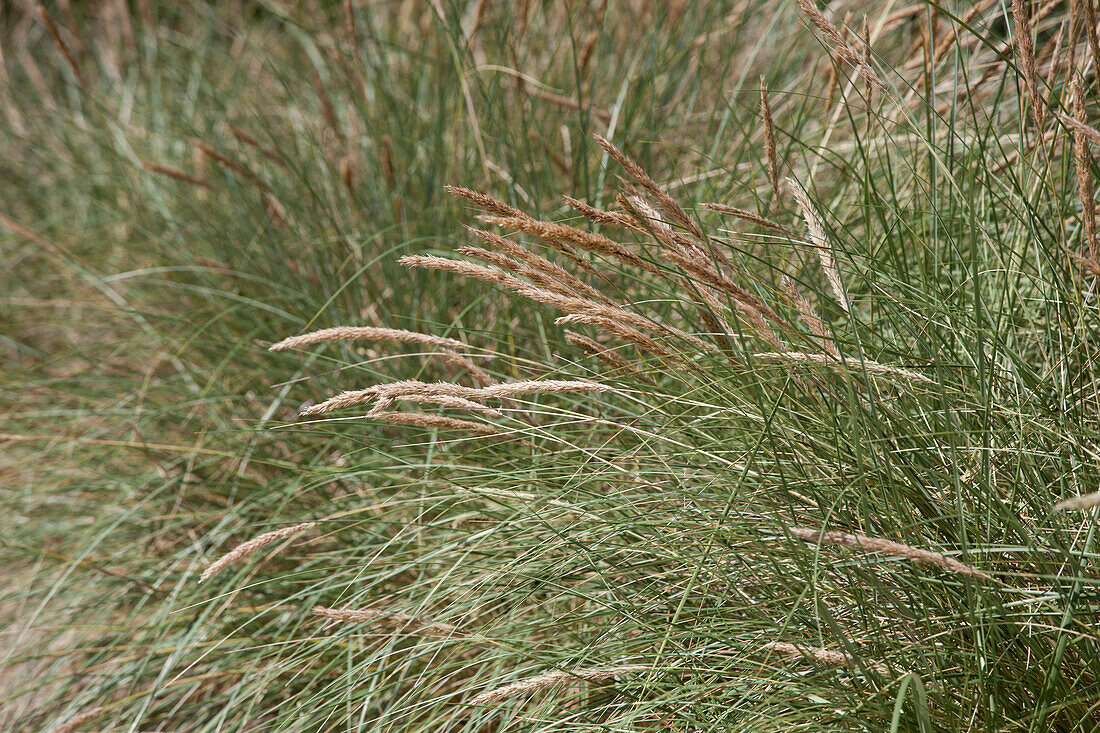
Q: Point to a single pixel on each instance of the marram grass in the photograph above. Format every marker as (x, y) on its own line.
(552, 443)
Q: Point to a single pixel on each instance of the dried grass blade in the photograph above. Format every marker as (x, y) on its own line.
(538, 262)
(809, 317)
(484, 201)
(55, 33)
(872, 367)
(749, 216)
(1025, 55)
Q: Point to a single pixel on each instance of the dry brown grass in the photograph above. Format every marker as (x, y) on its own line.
(366, 333)
(886, 547)
(554, 679)
(245, 549)
(80, 720)
(1083, 163)
(840, 45)
(1083, 502)
(820, 241)
(770, 148)
(62, 46)
(1025, 58)
(827, 656)
(176, 173)
(385, 394)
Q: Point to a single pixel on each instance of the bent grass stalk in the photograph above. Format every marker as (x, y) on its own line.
(402, 622)
(638, 174)
(176, 173)
(243, 550)
(840, 45)
(1083, 163)
(872, 367)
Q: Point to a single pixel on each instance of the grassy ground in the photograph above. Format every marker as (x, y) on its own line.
(808, 481)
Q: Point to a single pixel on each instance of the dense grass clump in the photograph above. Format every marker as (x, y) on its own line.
(595, 366)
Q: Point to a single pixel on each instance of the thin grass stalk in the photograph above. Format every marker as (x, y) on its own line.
(872, 367)
(700, 250)
(1076, 126)
(749, 216)
(569, 103)
(809, 317)
(565, 303)
(1053, 66)
(247, 139)
(63, 47)
(78, 721)
(562, 234)
(438, 422)
(389, 392)
(477, 374)
(605, 218)
(226, 162)
(610, 357)
(460, 403)
(869, 88)
(484, 201)
(1093, 34)
(615, 328)
(757, 318)
(538, 262)
(504, 262)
